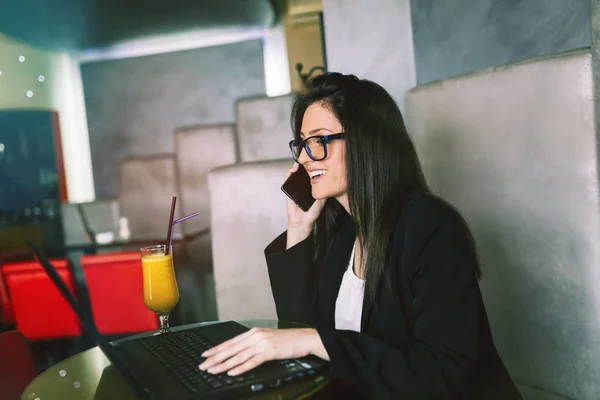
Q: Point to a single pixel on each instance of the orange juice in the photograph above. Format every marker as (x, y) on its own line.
(160, 286)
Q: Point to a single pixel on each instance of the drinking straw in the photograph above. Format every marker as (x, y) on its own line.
(181, 220)
(168, 249)
(186, 217)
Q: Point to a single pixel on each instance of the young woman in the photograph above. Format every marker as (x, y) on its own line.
(386, 271)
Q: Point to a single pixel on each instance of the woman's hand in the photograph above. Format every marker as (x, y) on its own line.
(300, 223)
(248, 350)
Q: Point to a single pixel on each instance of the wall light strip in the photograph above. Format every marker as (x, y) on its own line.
(171, 42)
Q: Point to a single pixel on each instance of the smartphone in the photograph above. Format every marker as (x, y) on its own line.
(298, 188)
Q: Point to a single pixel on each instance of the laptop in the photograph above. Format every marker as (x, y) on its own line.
(166, 366)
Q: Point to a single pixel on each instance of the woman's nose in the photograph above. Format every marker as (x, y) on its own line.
(303, 156)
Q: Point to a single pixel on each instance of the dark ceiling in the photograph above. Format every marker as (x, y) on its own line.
(74, 25)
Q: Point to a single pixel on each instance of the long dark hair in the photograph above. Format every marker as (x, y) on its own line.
(382, 166)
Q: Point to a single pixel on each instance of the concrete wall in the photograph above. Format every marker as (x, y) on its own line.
(453, 37)
(595, 21)
(371, 39)
(135, 105)
(398, 43)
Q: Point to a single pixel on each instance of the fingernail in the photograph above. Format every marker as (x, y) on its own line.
(201, 366)
(230, 373)
(204, 354)
(210, 370)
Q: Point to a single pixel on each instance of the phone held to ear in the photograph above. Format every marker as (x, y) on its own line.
(298, 188)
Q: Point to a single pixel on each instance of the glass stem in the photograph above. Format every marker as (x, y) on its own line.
(164, 323)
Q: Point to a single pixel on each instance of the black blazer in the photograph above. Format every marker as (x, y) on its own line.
(428, 337)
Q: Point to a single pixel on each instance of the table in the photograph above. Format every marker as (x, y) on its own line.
(92, 247)
(90, 375)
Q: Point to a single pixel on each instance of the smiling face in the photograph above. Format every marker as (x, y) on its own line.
(328, 176)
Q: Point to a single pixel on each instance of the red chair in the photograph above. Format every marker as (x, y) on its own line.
(7, 314)
(17, 367)
(115, 286)
(39, 309)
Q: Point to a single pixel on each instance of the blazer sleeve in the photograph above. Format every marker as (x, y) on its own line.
(435, 364)
(293, 278)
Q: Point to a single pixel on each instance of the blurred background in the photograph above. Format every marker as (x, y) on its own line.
(109, 108)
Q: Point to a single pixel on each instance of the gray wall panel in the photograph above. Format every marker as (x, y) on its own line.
(134, 105)
(595, 9)
(371, 39)
(514, 148)
(453, 37)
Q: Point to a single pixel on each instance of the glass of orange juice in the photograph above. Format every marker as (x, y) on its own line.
(161, 293)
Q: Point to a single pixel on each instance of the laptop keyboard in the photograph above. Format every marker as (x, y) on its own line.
(181, 354)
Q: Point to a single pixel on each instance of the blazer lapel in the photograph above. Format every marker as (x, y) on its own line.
(335, 266)
(369, 306)
(367, 309)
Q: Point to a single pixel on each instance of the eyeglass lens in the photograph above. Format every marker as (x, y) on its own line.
(316, 148)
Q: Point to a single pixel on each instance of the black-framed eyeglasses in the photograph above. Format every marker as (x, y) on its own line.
(315, 146)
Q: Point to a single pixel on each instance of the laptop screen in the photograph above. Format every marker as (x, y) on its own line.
(86, 319)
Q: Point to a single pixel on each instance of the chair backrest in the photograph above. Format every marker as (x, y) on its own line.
(514, 148)
(39, 309)
(17, 366)
(115, 288)
(247, 213)
(263, 127)
(102, 216)
(146, 186)
(199, 150)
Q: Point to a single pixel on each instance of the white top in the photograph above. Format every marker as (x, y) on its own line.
(348, 306)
